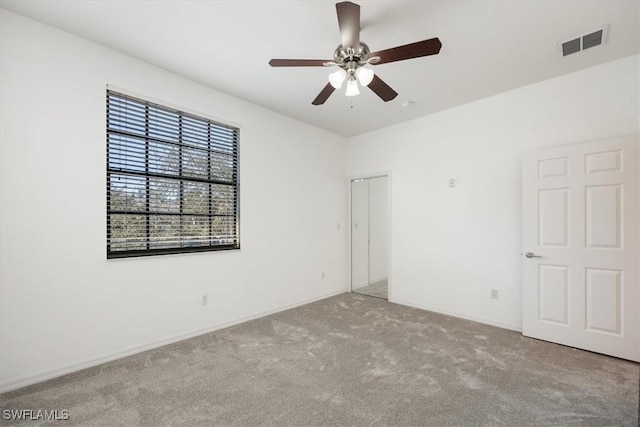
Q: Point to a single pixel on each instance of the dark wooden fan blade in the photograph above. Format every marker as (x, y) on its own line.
(408, 51)
(298, 62)
(349, 23)
(383, 90)
(323, 95)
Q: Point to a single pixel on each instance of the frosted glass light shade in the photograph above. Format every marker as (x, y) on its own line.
(337, 77)
(365, 75)
(352, 88)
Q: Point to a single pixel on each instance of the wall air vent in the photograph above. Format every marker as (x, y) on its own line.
(584, 41)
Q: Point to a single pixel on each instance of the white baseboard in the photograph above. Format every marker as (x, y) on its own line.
(459, 315)
(88, 363)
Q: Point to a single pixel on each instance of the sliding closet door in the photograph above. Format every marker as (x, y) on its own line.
(360, 236)
(369, 235)
(378, 235)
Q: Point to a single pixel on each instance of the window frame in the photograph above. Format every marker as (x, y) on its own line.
(148, 213)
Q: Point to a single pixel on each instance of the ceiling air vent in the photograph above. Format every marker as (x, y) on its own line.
(572, 46)
(591, 40)
(584, 41)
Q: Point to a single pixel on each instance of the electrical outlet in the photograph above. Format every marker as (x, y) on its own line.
(322, 275)
(494, 294)
(204, 300)
(452, 183)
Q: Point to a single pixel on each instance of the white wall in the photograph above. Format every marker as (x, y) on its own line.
(62, 304)
(451, 246)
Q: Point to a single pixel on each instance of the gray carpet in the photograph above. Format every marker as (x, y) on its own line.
(349, 360)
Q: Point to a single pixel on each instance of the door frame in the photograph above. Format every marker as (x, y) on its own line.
(352, 178)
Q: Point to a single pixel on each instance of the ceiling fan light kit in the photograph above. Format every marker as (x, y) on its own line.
(337, 78)
(365, 76)
(352, 55)
(352, 88)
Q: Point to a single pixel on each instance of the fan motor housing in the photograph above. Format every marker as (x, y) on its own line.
(343, 56)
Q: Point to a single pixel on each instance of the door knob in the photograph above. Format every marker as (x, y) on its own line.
(532, 255)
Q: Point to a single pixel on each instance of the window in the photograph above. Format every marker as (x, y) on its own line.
(172, 180)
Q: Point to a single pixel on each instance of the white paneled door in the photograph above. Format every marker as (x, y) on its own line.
(580, 247)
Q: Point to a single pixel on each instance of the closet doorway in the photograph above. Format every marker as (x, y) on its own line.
(369, 236)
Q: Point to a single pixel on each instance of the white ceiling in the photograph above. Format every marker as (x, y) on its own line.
(488, 47)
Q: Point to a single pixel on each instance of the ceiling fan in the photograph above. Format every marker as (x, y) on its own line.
(353, 54)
